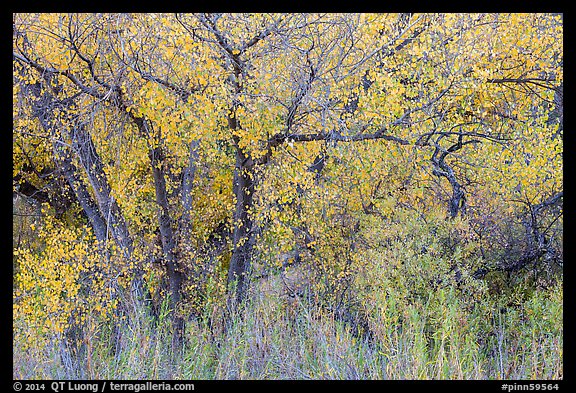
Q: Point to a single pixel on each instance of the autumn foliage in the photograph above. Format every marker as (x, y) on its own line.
(380, 194)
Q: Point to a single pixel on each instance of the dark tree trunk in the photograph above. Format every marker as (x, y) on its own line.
(188, 184)
(557, 111)
(185, 222)
(168, 239)
(243, 241)
(103, 213)
(43, 105)
(82, 195)
(457, 203)
(94, 168)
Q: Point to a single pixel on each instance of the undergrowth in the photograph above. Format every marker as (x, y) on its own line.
(272, 338)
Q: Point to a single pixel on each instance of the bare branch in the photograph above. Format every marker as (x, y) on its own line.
(260, 36)
(535, 81)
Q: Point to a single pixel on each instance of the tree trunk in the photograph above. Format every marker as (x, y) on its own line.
(557, 112)
(81, 192)
(43, 105)
(90, 160)
(188, 184)
(243, 241)
(185, 222)
(168, 240)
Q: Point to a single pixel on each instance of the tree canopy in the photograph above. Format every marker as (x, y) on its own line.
(179, 154)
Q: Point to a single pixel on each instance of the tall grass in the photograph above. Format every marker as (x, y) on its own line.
(275, 337)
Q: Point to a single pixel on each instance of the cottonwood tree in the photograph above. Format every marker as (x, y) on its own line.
(209, 132)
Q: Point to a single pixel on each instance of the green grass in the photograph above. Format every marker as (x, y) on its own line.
(281, 339)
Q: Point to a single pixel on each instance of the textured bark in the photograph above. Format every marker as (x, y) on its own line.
(82, 195)
(243, 241)
(169, 242)
(457, 203)
(94, 168)
(44, 104)
(168, 235)
(187, 186)
(43, 107)
(557, 112)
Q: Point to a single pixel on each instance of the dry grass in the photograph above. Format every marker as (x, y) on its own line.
(280, 339)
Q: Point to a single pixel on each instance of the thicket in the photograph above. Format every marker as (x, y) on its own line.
(287, 196)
